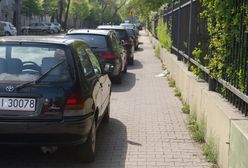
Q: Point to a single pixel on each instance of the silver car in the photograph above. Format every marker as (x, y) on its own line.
(7, 29)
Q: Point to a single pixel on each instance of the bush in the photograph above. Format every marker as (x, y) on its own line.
(164, 36)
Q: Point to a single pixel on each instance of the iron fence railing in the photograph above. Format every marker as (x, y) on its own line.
(188, 29)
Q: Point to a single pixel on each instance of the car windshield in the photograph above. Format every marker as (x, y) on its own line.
(95, 41)
(24, 63)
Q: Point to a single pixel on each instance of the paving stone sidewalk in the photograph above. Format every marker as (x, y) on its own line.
(153, 131)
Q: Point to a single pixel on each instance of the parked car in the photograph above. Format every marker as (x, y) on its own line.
(134, 36)
(54, 28)
(52, 93)
(37, 28)
(58, 26)
(106, 46)
(131, 26)
(7, 29)
(127, 41)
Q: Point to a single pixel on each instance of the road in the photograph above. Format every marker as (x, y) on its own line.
(146, 129)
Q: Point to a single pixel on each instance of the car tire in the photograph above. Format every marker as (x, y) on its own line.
(106, 116)
(125, 69)
(86, 152)
(136, 48)
(7, 34)
(130, 61)
(25, 31)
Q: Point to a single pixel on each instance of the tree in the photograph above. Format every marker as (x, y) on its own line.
(50, 7)
(66, 14)
(31, 7)
(79, 9)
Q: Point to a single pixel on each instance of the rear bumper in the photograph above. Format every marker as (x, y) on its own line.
(67, 132)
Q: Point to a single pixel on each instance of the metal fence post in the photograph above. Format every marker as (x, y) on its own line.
(179, 58)
(190, 33)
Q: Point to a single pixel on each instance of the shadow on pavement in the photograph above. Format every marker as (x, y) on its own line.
(140, 49)
(128, 82)
(111, 149)
(136, 65)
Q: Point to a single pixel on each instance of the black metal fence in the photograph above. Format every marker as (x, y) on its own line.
(188, 29)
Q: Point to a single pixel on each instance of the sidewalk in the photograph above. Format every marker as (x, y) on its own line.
(152, 130)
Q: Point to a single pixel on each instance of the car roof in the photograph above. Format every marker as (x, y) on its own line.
(88, 31)
(115, 27)
(38, 39)
(4, 22)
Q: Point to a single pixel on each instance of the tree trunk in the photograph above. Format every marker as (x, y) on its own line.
(61, 9)
(66, 14)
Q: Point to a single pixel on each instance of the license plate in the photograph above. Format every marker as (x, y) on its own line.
(17, 104)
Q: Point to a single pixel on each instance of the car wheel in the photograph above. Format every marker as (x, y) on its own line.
(130, 61)
(25, 31)
(125, 69)
(86, 151)
(7, 34)
(106, 116)
(136, 47)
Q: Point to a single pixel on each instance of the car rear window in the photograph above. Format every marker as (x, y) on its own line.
(121, 34)
(130, 32)
(28, 63)
(94, 41)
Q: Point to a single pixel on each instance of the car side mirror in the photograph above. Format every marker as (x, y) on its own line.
(108, 68)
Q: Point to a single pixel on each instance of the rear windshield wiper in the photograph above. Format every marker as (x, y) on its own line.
(40, 78)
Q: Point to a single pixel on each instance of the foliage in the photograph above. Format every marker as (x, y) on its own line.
(172, 83)
(164, 35)
(79, 10)
(157, 52)
(197, 130)
(224, 23)
(31, 7)
(210, 151)
(186, 108)
(144, 7)
(177, 93)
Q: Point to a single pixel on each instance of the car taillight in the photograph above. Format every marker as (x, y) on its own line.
(74, 102)
(107, 55)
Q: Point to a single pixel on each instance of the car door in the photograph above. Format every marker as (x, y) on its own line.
(105, 83)
(87, 70)
(33, 27)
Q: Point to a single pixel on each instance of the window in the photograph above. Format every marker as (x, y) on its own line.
(94, 41)
(28, 62)
(94, 61)
(85, 62)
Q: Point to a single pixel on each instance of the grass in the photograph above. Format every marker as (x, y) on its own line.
(172, 83)
(177, 93)
(186, 108)
(210, 151)
(157, 52)
(197, 130)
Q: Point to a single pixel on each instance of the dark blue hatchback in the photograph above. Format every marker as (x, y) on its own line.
(52, 92)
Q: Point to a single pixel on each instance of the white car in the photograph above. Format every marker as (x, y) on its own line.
(7, 29)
